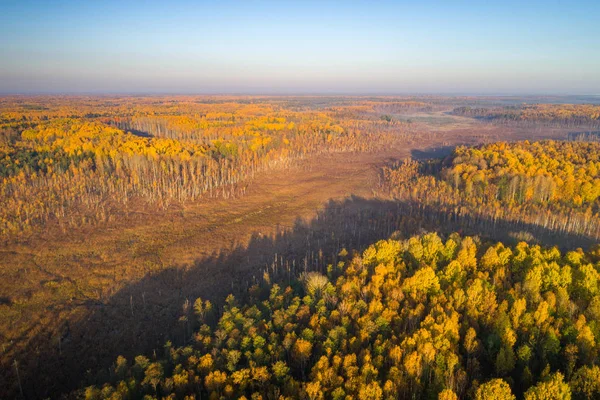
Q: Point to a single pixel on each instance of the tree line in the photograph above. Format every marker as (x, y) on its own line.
(550, 184)
(557, 114)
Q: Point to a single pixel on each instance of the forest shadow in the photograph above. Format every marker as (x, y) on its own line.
(584, 135)
(436, 152)
(140, 133)
(143, 316)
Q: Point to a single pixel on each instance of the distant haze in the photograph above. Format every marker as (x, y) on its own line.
(283, 47)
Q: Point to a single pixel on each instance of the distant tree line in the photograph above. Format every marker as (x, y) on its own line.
(557, 114)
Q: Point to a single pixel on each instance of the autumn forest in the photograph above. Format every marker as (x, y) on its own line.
(307, 247)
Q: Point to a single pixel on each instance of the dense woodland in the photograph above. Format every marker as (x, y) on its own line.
(421, 318)
(81, 161)
(552, 185)
(562, 114)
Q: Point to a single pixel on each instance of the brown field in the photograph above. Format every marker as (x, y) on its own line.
(71, 301)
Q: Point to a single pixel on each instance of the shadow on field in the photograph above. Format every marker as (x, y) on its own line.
(141, 317)
(432, 152)
(584, 136)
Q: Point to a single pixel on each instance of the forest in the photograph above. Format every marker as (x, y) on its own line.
(316, 247)
(548, 184)
(416, 318)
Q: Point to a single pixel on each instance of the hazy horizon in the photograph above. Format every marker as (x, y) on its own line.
(266, 93)
(308, 48)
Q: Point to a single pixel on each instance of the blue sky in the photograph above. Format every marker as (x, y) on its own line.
(281, 47)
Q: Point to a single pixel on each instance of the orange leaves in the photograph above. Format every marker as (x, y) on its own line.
(302, 350)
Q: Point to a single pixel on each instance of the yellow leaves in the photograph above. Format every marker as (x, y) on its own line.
(371, 391)
(467, 253)
(509, 337)
(543, 171)
(586, 382)
(412, 364)
(215, 380)
(383, 252)
(481, 300)
(542, 313)
(471, 343)
(447, 394)
(75, 137)
(241, 376)
(396, 355)
(428, 352)
(552, 388)
(259, 143)
(181, 380)
(560, 112)
(267, 123)
(585, 336)
(314, 391)
(423, 282)
(490, 259)
(496, 389)
(587, 277)
(205, 363)
(260, 375)
(518, 309)
(375, 307)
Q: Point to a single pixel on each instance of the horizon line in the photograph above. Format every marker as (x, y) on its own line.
(292, 94)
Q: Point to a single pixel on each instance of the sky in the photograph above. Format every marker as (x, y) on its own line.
(300, 47)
